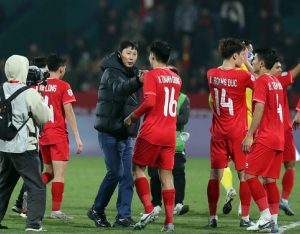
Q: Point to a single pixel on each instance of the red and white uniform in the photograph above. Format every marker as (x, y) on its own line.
(289, 153)
(57, 93)
(158, 132)
(298, 106)
(229, 123)
(266, 154)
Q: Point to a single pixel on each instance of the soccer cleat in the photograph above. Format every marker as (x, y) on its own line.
(168, 228)
(17, 209)
(99, 219)
(36, 229)
(261, 224)
(229, 198)
(3, 227)
(286, 207)
(157, 210)
(145, 219)
(60, 215)
(181, 209)
(124, 222)
(274, 228)
(212, 223)
(244, 223)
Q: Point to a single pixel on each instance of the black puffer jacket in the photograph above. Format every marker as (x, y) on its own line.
(117, 98)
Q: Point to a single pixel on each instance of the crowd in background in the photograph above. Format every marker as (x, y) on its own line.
(193, 28)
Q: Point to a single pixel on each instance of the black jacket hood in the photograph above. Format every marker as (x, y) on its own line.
(112, 61)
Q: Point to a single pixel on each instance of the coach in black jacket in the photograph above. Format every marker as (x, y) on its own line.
(117, 98)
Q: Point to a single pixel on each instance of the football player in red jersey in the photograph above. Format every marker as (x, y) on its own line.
(289, 153)
(229, 124)
(54, 142)
(155, 144)
(264, 142)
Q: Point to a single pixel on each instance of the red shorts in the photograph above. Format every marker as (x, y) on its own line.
(289, 153)
(146, 154)
(220, 150)
(55, 152)
(263, 161)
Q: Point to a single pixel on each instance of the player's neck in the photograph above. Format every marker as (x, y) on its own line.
(54, 75)
(227, 64)
(159, 65)
(263, 71)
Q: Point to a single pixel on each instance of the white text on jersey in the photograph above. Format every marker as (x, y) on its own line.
(169, 79)
(223, 81)
(48, 88)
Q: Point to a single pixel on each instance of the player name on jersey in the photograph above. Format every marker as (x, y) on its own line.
(48, 88)
(223, 81)
(275, 86)
(169, 79)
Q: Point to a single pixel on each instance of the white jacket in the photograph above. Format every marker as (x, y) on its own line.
(16, 69)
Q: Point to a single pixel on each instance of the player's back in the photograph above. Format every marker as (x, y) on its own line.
(56, 93)
(159, 126)
(268, 90)
(227, 88)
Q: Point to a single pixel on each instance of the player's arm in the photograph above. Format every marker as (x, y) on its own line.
(72, 121)
(147, 104)
(296, 121)
(256, 119)
(295, 71)
(184, 112)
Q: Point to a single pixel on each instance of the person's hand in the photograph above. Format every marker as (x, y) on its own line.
(79, 146)
(141, 75)
(247, 143)
(295, 124)
(129, 120)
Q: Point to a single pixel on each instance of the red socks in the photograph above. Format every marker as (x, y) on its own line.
(169, 199)
(213, 194)
(143, 191)
(57, 195)
(288, 183)
(273, 197)
(245, 197)
(46, 177)
(258, 193)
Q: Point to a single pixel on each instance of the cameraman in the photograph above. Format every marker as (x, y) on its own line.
(19, 157)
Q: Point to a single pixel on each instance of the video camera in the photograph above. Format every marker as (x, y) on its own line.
(37, 76)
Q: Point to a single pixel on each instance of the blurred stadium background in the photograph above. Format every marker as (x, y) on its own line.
(84, 31)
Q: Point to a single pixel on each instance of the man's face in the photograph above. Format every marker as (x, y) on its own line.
(128, 57)
(256, 64)
(151, 59)
(276, 69)
(239, 58)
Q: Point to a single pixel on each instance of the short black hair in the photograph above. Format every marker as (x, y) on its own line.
(40, 62)
(229, 46)
(161, 50)
(127, 43)
(268, 55)
(246, 42)
(54, 61)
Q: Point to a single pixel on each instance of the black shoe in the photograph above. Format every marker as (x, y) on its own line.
(124, 222)
(212, 223)
(3, 227)
(99, 219)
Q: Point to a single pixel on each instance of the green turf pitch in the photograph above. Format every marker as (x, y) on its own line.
(85, 174)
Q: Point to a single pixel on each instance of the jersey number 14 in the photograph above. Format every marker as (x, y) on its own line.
(223, 103)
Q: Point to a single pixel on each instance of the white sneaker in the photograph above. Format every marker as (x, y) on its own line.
(180, 209)
(260, 225)
(157, 210)
(41, 229)
(145, 219)
(60, 215)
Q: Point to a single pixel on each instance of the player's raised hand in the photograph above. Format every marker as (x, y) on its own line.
(129, 120)
(247, 143)
(79, 146)
(141, 75)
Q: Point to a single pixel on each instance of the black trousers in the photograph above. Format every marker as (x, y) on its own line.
(26, 165)
(19, 201)
(179, 181)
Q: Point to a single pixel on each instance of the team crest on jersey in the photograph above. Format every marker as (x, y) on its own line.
(252, 77)
(70, 92)
(284, 74)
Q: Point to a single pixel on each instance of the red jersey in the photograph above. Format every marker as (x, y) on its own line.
(268, 90)
(286, 79)
(161, 89)
(56, 93)
(228, 91)
(298, 106)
